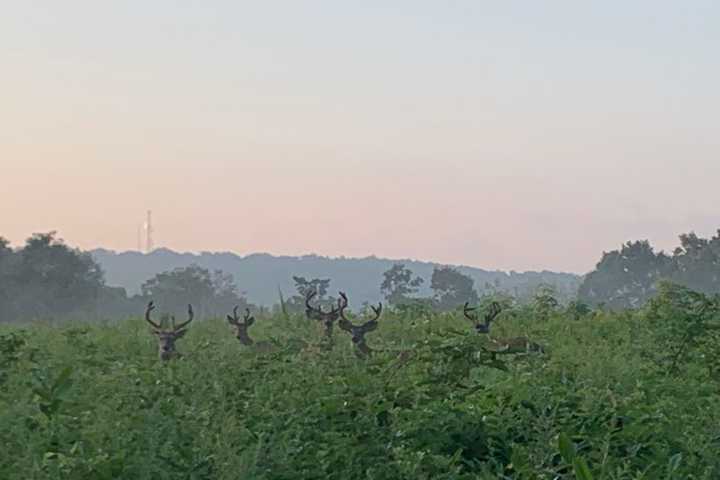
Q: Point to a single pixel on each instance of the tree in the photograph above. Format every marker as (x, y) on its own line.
(696, 263)
(545, 301)
(304, 287)
(626, 278)
(210, 294)
(399, 285)
(317, 285)
(52, 280)
(576, 309)
(6, 280)
(681, 323)
(451, 288)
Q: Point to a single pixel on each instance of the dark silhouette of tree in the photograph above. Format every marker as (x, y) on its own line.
(545, 301)
(696, 263)
(6, 281)
(399, 286)
(49, 280)
(210, 294)
(626, 278)
(451, 288)
(303, 287)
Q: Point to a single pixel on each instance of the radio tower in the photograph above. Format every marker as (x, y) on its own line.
(149, 233)
(139, 238)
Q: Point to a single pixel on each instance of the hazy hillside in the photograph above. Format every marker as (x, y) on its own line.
(260, 275)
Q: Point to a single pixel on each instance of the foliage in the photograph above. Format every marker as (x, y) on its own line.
(625, 278)
(545, 301)
(46, 279)
(451, 288)
(304, 287)
(399, 286)
(628, 278)
(684, 324)
(91, 401)
(209, 293)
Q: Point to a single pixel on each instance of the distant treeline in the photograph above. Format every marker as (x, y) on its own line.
(260, 275)
(48, 280)
(629, 277)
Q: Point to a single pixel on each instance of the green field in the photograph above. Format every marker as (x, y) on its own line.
(616, 396)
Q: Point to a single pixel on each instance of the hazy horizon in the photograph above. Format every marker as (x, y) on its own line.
(507, 136)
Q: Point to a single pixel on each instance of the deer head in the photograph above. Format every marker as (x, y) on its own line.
(241, 326)
(328, 319)
(500, 345)
(167, 337)
(482, 327)
(358, 332)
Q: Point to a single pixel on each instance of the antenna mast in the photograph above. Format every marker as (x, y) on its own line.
(149, 233)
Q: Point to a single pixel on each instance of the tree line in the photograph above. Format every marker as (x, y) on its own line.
(630, 277)
(48, 280)
(45, 280)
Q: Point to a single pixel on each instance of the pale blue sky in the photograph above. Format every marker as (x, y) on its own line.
(505, 134)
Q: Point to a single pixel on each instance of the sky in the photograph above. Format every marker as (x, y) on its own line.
(511, 135)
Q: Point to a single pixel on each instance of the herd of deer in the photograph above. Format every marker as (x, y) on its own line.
(336, 314)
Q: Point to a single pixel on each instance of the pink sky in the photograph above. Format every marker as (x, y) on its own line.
(460, 141)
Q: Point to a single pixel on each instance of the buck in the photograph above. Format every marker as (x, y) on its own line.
(358, 332)
(241, 331)
(499, 345)
(328, 319)
(167, 336)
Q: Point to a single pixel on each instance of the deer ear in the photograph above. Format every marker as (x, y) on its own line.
(230, 320)
(250, 321)
(180, 333)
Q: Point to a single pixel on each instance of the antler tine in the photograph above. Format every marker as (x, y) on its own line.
(342, 305)
(466, 311)
(234, 318)
(248, 318)
(150, 308)
(377, 311)
(343, 300)
(191, 315)
(495, 310)
(309, 296)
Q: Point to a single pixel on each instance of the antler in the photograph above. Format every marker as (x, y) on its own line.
(234, 319)
(308, 297)
(493, 312)
(342, 302)
(368, 326)
(319, 310)
(150, 308)
(358, 332)
(467, 310)
(191, 315)
(247, 318)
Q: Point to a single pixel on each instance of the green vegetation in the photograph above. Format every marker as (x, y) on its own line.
(626, 395)
(629, 277)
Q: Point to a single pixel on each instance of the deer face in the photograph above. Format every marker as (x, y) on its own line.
(482, 327)
(358, 332)
(241, 326)
(166, 343)
(317, 313)
(166, 337)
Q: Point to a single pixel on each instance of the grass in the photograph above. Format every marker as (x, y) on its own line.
(91, 401)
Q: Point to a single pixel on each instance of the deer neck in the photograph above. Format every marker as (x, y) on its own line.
(244, 338)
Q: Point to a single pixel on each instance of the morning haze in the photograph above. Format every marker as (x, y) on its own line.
(506, 135)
